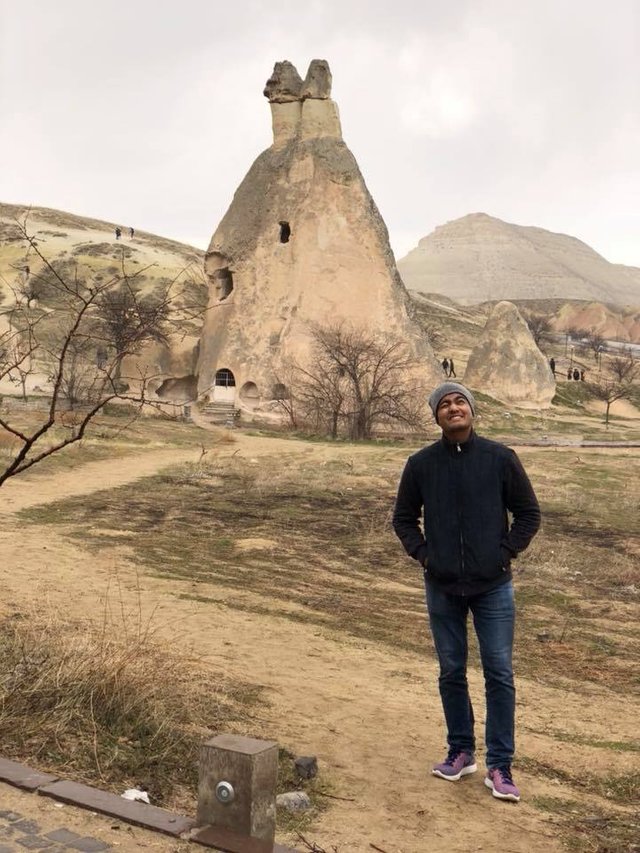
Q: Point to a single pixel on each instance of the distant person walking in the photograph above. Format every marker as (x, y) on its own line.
(552, 365)
(452, 371)
(582, 375)
(576, 374)
(445, 366)
(569, 374)
(118, 233)
(131, 233)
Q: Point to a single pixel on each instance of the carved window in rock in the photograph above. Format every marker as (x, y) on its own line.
(225, 378)
(249, 394)
(280, 391)
(285, 231)
(223, 280)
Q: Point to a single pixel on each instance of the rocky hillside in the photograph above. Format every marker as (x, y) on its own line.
(69, 240)
(479, 258)
(89, 249)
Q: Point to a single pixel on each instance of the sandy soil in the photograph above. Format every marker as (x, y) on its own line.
(372, 715)
(621, 408)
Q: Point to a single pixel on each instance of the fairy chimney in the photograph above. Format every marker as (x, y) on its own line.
(301, 244)
(507, 364)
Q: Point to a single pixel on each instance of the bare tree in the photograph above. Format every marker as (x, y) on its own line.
(434, 333)
(126, 319)
(594, 342)
(539, 326)
(77, 342)
(27, 289)
(616, 383)
(576, 333)
(623, 365)
(18, 361)
(356, 382)
(286, 402)
(17, 346)
(80, 380)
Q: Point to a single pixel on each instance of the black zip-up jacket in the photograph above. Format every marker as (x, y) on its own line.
(465, 491)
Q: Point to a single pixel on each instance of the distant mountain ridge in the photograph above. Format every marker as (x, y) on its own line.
(479, 258)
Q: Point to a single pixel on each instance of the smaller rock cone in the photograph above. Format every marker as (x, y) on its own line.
(507, 364)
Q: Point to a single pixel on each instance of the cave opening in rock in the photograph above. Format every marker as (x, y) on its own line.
(225, 378)
(280, 391)
(249, 394)
(223, 280)
(285, 231)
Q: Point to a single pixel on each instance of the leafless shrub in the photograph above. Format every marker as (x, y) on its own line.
(615, 382)
(356, 382)
(539, 326)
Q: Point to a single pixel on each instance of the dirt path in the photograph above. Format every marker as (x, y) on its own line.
(371, 714)
(22, 492)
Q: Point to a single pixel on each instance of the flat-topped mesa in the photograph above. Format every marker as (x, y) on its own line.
(302, 109)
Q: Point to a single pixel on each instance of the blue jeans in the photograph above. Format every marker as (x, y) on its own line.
(493, 620)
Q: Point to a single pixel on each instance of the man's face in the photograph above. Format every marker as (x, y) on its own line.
(454, 416)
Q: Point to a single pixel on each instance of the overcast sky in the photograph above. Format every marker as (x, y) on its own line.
(149, 113)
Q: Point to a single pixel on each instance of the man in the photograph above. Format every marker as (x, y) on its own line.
(463, 485)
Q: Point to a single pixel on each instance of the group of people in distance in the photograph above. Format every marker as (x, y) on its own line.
(448, 367)
(118, 232)
(572, 372)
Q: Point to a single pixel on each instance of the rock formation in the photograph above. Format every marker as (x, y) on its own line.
(78, 245)
(507, 364)
(479, 258)
(302, 243)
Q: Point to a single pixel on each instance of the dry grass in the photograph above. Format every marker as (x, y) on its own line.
(110, 706)
(118, 431)
(307, 536)
(588, 830)
(231, 523)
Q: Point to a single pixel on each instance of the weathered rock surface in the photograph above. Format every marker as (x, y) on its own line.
(306, 766)
(507, 364)
(317, 83)
(479, 258)
(611, 322)
(302, 243)
(293, 801)
(284, 84)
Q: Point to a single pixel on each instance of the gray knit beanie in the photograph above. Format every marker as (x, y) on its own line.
(450, 388)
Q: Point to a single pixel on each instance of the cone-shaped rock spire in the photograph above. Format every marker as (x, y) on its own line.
(301, 244)
(507, 364)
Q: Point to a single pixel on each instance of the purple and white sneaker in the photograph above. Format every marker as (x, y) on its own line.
(501, 782)
(455, 765)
